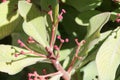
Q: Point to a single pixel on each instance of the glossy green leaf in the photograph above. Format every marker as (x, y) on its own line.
(99, 40)
(108, 56)
(34, 46)
(66, 62)
(9, 18)
(96, 23)
(34, 25)
(94, 47)
(113, 16)
(36, 32)
(18, 63)
(84, 17)
(45, 5)
(27, 10)
(83, 5)
(90, 71)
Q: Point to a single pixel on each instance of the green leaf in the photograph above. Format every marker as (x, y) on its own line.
(90, 71)
(36, 32)
(18, 63)
(9, 18)
(34, 25)
(64, 53)
(108, 56)
(27, 10)
(84, 5)
(33, 46)
(55, 7)
(114, 14)
(96, 23)
(66, 62)
(94, 47)
(83, 18)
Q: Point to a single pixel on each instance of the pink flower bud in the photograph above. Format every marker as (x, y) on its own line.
(4, 0)
(66, 40)
(56, 47)
(22, 52)
(58, 37)
(63, 10)
(20, 43)
(16, 55)
(31, 40)
(60, 17)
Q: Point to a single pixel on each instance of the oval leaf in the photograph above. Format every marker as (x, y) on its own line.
(18, 63)
(34, 25)
(96, 23)
(108, 57)
(9, 18)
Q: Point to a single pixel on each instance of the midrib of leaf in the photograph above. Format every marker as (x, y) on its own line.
(108, 57)
(37, 33)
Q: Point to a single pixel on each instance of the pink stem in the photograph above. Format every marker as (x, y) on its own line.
(57, 65)
(76, 54)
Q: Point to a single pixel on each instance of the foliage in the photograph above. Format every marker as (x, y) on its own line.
(59, 40)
